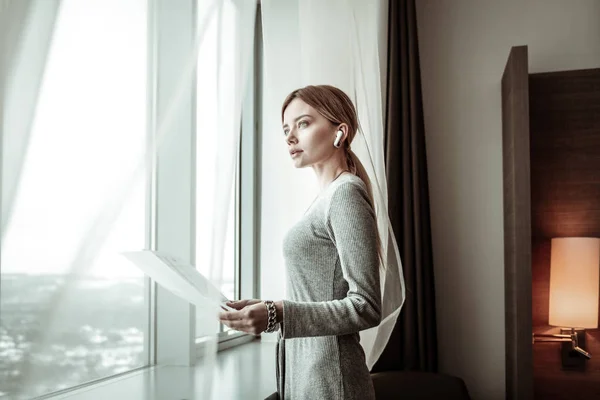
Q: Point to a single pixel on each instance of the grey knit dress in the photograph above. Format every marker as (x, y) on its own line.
(333, 289)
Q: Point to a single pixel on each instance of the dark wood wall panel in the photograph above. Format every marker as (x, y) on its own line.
(565, 153)
(565, 201)
(517, 225)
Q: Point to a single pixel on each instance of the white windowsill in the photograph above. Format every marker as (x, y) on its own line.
(242, 372)
(226, 340)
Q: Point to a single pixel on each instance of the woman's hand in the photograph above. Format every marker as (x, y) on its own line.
(239, 304)
(251, 316)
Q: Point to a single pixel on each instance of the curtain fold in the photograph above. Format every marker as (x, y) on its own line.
(26, 32)
(224, 61)
(413, 345)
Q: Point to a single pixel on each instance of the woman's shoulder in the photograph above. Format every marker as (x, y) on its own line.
(347, 189)
(347, 183)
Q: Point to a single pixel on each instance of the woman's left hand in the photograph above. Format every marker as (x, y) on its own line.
(251, 319)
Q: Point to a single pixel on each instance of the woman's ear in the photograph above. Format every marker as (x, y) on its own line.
(344, 129)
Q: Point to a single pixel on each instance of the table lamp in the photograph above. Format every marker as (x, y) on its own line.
(574, 293)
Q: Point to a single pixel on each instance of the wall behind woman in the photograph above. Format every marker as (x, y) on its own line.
(464, 45)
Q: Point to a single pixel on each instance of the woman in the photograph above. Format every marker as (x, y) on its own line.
(331, 256)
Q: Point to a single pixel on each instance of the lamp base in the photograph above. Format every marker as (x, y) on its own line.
(571, 359)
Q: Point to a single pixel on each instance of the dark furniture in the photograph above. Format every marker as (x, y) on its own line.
(413, 385)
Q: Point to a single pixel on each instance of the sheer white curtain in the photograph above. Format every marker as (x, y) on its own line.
(324, 42)
(224, 56)
(66, 210)
(224, 60)
(26, 32)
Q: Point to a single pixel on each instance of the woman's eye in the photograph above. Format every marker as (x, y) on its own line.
(302, 123)
(285, 133)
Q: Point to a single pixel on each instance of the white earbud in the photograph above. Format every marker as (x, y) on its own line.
(338, 137)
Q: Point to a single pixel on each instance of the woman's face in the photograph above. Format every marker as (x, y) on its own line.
(308, 134)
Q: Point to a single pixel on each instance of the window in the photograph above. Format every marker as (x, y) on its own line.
(224, 234)
(113, 70)
(88, 135)
(215, 220)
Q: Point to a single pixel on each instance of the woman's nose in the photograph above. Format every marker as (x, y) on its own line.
(291, 137)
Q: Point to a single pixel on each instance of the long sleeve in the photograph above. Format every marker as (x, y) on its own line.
(351, 229)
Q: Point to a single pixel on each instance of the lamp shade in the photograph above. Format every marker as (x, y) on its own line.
(574, 282)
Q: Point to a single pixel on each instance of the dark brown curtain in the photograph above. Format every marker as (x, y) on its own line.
(413, 344)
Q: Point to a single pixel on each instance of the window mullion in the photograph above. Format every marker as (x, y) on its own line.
(249, 273)
(172, 26)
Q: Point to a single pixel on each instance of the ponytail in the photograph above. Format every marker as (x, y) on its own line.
(359, 170)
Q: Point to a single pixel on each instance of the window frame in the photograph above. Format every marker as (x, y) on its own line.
(169, 311)
(247, 190)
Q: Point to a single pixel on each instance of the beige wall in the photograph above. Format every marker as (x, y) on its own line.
(464, 45)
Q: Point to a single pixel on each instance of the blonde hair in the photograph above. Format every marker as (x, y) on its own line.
(335, 105)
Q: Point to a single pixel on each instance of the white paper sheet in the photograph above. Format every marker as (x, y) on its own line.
(180, 278)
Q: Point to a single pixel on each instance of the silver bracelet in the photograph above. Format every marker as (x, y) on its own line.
(272, 315)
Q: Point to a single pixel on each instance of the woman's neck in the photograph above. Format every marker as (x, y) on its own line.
(326, 177)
